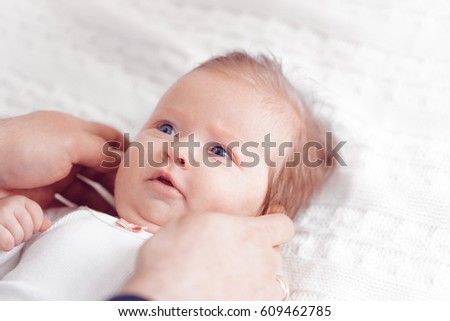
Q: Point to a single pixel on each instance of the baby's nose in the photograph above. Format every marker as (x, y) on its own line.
(185, 152)
(181, 161)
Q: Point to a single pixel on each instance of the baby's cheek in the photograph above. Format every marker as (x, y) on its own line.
(257, 188)
(242, 196)
(122, 189)
(121, 200)
(151, 151)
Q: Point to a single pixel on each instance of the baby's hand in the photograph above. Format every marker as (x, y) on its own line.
(20, 218)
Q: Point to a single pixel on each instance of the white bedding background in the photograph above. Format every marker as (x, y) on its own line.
(379, 71)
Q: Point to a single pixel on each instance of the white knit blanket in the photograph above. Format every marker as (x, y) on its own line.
(378, 70)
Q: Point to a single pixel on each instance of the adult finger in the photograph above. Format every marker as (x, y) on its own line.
(44, 196)
(278, 258)
(106, 132)
(280, 289)
(277, 229)
(95, 152)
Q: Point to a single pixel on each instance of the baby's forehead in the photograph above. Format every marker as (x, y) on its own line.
(208, 97)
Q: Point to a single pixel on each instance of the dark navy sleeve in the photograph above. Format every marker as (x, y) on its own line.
(127, 297)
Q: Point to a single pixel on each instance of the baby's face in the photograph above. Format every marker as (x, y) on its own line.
(214, 109)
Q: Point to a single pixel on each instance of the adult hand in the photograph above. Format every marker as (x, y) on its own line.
(39, 152)
(213, 257)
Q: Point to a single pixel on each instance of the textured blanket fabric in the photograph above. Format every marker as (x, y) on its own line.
(378, 71)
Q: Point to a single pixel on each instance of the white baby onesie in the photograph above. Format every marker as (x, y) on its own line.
(83, 256)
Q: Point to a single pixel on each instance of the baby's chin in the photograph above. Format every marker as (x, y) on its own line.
(152, 228)
(133, 216)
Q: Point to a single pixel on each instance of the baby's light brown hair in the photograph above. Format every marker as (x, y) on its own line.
(290, 188)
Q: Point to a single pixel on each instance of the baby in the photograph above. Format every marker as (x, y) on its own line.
(226, 137)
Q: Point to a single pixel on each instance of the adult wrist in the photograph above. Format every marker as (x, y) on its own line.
(3, 155)
(128, 297)
(137, 287)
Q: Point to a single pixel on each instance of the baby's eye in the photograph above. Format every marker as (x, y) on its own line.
(167, 129)
(220, 151)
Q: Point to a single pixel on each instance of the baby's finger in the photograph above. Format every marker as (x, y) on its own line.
(36, 214)
(6, 239)
(46, 223)
(14, 227)
(25, 221)
(108, 133)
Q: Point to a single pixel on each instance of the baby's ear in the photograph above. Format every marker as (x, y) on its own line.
(276, 208)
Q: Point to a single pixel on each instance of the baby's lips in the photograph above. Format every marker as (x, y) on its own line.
(46, 223)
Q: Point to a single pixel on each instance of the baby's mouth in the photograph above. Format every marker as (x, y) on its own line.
(165, 181)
